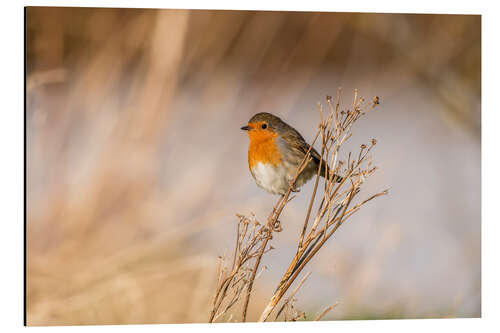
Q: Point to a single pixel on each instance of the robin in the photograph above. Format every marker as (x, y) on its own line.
(275, 153)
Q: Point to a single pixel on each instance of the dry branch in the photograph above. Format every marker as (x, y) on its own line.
(336, 205)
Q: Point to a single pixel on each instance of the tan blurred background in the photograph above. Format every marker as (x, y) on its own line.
(136, 165)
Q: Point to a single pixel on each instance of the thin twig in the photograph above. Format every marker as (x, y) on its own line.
(343, 182)
(328, 309)
(289, 298)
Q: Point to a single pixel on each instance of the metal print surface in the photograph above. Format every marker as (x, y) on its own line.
(194, 166)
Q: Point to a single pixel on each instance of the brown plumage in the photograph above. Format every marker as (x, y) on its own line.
(275, 152)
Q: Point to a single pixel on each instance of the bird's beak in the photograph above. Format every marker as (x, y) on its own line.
(246, 128)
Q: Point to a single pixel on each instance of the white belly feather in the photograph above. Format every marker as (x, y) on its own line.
(271, 178)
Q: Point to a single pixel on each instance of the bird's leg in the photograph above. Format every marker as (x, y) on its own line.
(293, 187)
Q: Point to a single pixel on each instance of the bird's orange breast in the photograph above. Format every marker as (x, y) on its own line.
(263, 148)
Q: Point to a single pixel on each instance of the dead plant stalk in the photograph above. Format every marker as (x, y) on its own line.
(335, 206)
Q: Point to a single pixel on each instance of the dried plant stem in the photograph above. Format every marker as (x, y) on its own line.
(334, 131)
(328, 309)
(272, 222)
(293, 294)
(336, 206)
(256, 267)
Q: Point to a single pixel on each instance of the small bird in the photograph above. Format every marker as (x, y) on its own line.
(275, 153)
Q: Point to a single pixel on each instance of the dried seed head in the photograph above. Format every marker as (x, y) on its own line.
(328, 98)
(363, 146)
(376, 100)
(374, 142)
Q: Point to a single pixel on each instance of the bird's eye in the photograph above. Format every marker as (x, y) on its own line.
(264, 126)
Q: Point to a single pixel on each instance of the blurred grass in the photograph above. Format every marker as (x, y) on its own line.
(135, 168)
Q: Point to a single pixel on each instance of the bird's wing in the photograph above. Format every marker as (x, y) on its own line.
(299, 145)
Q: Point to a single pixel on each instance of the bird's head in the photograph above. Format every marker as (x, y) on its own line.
(263, 126)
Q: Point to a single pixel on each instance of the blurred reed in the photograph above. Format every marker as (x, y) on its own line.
(127, 111)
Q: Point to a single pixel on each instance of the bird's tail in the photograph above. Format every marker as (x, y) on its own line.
(325, 170)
